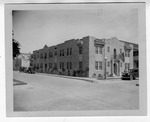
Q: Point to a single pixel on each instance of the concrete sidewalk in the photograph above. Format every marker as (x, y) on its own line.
(92, 80)
(115, 77)
(71, 77)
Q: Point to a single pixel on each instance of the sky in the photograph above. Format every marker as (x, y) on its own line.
(35, 28)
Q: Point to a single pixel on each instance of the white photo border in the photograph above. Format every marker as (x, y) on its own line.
(9, 64)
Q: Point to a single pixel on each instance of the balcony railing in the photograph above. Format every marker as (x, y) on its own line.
(118, 57)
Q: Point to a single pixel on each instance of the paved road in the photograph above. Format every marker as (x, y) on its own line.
(45, 93)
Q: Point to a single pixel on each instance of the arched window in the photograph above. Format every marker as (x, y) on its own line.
(80, 50)
(115, 53)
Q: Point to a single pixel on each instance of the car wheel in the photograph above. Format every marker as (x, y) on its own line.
(131, 77)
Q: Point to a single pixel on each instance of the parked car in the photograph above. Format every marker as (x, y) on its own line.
(30, 70)
(22, 69)
(132, 74)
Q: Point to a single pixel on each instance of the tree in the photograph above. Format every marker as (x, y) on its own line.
(16, 48)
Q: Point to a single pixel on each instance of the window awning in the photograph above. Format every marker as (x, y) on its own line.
(127, 47)
(99, 42)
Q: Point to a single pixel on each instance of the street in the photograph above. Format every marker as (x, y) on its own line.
(49, 93)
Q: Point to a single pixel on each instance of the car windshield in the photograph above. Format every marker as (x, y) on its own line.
(130, 70)
(133, 70)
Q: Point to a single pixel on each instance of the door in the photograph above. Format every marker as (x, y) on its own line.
(45, 67)
(115, 68)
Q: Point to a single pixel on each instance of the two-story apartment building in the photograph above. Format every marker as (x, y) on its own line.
(87, 57)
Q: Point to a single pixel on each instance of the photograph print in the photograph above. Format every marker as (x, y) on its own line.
(76, 57)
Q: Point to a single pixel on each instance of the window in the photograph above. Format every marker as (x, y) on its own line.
(70, 65)
(127, 66)
(37, 66)
(136, 64)
(135, 53)
(80, 49)
(96, 65)
(60, 65)
(37, 55)
(45, 66)
(50, 54)
(67, 51)
(55, 53)
(31, 56)
(108, 49)
(100, 65)
(96, 49)
(80, 65)
(120, 50)
(62, 52)
(34, 56)
(70, 51)
(67, 65)
(55, 65)
(115, 54)
(100, 50)
(50, 65)
(108, 64)
(45, 55)
(41, 56)
(121, 64)
(41, 65)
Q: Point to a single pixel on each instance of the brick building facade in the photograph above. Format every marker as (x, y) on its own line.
(87, 57)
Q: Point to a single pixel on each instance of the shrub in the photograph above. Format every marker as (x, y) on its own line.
(74, 73)
(100, 76)
(63, 70)
(68, 72)
(60, 73)
(94, 75)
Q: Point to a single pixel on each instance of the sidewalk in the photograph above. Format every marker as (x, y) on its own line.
(70, 77)
(115, 77)
(92, 80)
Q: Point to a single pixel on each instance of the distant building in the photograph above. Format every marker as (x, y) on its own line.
(22, 60)
(135, 56)
(87, 57)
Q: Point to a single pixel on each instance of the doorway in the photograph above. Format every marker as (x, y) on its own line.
(115, 68)
(45, 67)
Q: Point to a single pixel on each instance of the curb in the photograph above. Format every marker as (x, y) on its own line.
(89, 80)
(18, 82)
(113, 78)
